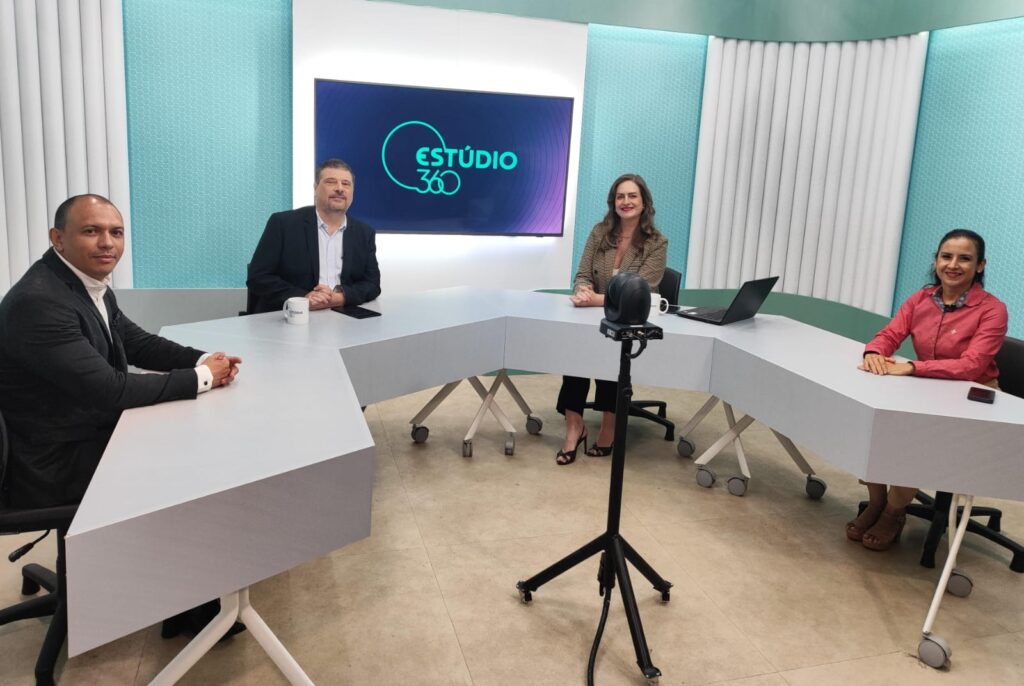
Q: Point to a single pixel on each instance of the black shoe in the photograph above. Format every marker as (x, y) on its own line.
(191, 622)
(564, 457)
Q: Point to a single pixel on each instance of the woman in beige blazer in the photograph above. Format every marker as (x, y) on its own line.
(626, 240)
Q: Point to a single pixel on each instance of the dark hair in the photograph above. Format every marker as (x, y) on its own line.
(612, 222)
(979, 248)
(60, 217)
(333, 163)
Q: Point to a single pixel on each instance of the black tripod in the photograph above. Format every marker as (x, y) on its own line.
(614, 548)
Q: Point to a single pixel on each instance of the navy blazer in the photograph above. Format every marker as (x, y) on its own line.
(64, 378)
(286, 262)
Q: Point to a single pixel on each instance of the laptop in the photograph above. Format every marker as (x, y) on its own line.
(744, 306)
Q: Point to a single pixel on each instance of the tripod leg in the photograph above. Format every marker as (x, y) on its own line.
(636, 627)
(660, 585)
(566, 563)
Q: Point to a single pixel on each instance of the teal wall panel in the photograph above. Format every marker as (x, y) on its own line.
(209, 134)
(968, 162)
(641, 113)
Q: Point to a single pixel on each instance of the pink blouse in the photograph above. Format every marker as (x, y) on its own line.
(961, 344)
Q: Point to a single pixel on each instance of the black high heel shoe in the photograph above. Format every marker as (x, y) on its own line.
(599, 450)
(564, 457)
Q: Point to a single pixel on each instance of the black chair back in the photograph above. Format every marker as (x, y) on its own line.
(670, 285)
(3, 462)
(250, 297)
(1010, 360)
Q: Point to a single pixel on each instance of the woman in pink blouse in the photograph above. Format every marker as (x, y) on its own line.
(956, 328)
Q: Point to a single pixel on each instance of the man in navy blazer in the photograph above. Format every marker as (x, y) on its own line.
(65, 347)
(316, 252)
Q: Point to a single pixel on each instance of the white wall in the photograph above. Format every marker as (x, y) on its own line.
(379, 42)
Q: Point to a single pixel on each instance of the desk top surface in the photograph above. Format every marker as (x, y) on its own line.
(162, 454)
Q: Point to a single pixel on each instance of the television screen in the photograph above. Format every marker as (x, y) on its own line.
(430, 160)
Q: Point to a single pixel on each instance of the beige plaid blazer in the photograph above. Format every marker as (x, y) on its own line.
(598, 260)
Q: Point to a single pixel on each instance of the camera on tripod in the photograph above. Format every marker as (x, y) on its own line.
(626, 307)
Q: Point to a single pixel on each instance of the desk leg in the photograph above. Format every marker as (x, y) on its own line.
(933, 649)
(488, 403)
(233, 607)
(432, 404)
(725, 439)
(741, 456)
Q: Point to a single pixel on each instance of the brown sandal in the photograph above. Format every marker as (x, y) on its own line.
(885, 532)
(856, 528)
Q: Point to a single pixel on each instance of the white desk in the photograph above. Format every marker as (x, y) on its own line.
(197, 499)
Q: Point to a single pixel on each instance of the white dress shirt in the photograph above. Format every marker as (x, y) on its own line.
(97, 289)
(332, 252)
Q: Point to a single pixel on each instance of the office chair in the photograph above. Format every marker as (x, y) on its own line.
(250, 298)
(668, 289)
(1010, 361)
(33, 576)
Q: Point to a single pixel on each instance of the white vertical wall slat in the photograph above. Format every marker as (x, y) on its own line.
(117, 128)
(15, 239)
(73, 89)
(701, 183)
(30, 94)
(63, 122)
(803, 160)
(54, 162)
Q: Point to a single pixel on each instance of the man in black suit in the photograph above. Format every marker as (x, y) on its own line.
(65, 347)
(316, 252)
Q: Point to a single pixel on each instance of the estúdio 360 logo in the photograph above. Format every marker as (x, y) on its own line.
(436, 163)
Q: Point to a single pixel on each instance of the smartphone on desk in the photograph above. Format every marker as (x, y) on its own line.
(356, 311)
(981, 395)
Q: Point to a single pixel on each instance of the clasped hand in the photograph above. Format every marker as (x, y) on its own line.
(584, 296)
(881, 365)
(224, 368)
(322, 297)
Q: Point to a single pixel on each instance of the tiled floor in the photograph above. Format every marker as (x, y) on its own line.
(768, 591)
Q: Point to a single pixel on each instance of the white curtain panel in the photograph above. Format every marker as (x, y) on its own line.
(803, 164)
(63, 121)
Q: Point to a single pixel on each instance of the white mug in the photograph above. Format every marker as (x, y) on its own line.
(296, 310)
(658, 304)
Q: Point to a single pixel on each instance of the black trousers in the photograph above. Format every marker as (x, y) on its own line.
(51, 474)
(573, 395)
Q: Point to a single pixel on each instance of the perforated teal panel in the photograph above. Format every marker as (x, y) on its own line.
(968, 166)
(209, 134)
(641, 113)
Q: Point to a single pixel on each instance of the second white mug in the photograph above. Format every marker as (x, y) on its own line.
(658, 304)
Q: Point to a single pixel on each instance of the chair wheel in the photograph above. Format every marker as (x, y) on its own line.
(419, 434)
(815, 487)
(706, 477)
(737, 485)
(510, 446)
(959, 584)
(666, 596)
(467, 448)
(934, 651)
(685, 448)
(28, 586)
(534, 425)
